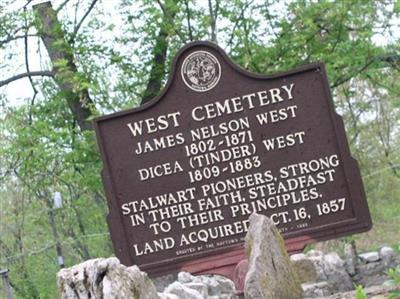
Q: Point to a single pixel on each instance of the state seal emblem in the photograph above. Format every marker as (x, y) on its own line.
(201, 71)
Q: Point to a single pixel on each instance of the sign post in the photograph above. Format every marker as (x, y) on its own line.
(184, 172)
(6, 283)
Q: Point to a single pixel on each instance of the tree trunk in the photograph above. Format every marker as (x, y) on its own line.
(160, 52)
(64, 67)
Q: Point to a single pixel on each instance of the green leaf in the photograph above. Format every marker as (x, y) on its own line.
(397, 6)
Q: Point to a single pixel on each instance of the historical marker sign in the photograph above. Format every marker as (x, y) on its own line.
(184, 172)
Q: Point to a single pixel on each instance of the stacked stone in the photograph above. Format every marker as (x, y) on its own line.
(105, 278)
(200, 287)
(372, 266)
(108, 279)
(271, 274)
(326, 274)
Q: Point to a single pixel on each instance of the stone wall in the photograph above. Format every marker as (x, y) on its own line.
(322, 276)
(271, 274)
(327, 274)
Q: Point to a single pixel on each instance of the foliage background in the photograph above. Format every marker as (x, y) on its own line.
(106, 56)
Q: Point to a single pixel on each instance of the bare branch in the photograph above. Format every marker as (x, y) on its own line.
(238, 19)
(23, 75)
(161, 6)
(62, 5)
(15, 37)
(78, 26)
(213, 19)
(392, 59)
(27, 3)
(354, 74)
(35, 92)
(188, 20)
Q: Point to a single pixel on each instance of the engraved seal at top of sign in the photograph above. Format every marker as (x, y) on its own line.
(201, 71)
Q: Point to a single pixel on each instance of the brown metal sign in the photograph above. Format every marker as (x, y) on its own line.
(184, 172)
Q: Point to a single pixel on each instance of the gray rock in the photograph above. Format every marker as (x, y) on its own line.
(199, 287)
(105, 278)
(315, 253)
(270, 274)
(185, 277)
(224, 296)
(213, 287)
(208, 286)
(225, 285)
(370, 274)
(388, 283)
(304, 268)
(336, 273)
(217, 285)
(298, 257)
(369, 257)
(182, 291)
(168, 296)
(374, 273)
(318, 289)
(388, 257)
(161, 282)
(331, 268)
